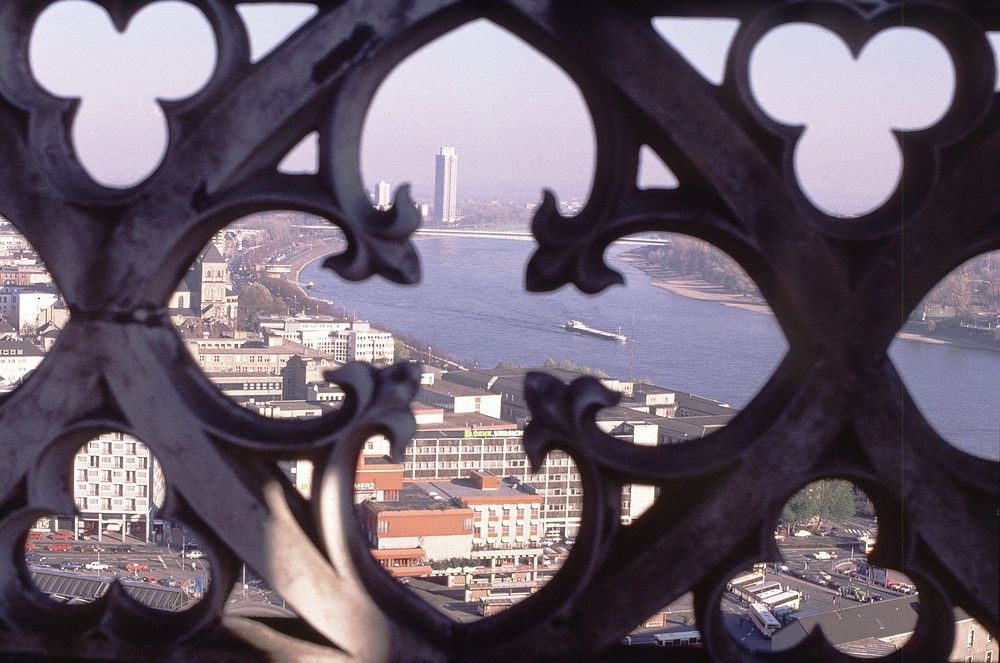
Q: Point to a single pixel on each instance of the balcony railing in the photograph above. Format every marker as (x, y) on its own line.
(838, 287)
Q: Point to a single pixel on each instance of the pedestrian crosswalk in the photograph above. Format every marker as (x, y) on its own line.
(851, 530)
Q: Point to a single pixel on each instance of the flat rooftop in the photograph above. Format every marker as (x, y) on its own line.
(413, 497)
(466, 421)
(454, 389)
(464, 488)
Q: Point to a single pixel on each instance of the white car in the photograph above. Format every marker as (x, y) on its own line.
(97, 566)
(194, 554)
(822, 555)
(803, 532)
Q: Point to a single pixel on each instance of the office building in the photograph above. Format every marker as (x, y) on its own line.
(384, 201)
(445, 185)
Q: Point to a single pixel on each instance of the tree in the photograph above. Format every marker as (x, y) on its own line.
(505, 366)
(830, 499)
(254, 300)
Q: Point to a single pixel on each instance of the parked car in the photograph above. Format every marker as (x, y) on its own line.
(59, 547)
(125, 548)
(97, 566)
(150, 579)
(33, 557)
(34, 534)
(91, 548)
(70, 566)
(135, 567)
(194, 554)
(28, 545)
(60, 536)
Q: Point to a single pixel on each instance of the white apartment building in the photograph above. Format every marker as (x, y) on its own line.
(370, 345)
(30, 303)
(344, 341)
(17, 359)
(11, 241)
(117, 484)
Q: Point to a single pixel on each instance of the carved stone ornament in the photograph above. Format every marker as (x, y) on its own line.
(835, 407)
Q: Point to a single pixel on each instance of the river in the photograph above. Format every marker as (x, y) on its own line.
(471, 305)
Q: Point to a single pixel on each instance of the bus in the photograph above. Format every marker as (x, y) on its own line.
(783, 602)
(744, 580)
(751, 593)
(763, 619)
(762, 588)
(678, 639)
(869, 545)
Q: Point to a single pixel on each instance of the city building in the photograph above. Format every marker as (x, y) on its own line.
(295, 364)
(419, 520)
(249, 387)
(343, 341)
(872, 630)
(507, 512)
(22, 305)
(449, 446)
(117, 485)
(460, 399)
(17, 359)
(445, 185)
(384, 199)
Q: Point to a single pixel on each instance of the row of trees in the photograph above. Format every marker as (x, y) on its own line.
(274, 296)
(695, 258)
(971, 288)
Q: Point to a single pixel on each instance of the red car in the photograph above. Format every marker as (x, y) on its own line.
(34, 535)
(59, 547)
(28, 545)
(152, 580)
(60, 536)
(136, 567)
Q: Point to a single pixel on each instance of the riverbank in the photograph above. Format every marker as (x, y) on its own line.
(950, 334)
(299, 261)
(694, 288)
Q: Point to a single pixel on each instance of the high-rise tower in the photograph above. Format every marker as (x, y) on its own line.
(445, 185)
(384, 201)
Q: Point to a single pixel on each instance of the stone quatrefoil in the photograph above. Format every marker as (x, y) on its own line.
(839, 289)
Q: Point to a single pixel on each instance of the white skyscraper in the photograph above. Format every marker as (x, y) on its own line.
(445, 185)
(383, 195)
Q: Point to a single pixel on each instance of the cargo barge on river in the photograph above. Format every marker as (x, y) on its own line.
(580, 328)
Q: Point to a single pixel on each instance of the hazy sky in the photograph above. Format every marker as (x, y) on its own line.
(516, 121)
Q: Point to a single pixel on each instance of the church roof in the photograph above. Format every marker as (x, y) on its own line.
(212, 255)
